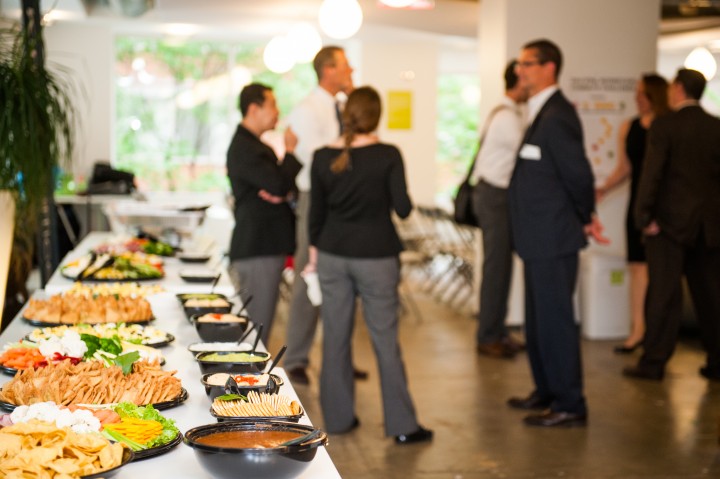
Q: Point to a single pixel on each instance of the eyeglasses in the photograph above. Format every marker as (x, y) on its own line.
(528, 64)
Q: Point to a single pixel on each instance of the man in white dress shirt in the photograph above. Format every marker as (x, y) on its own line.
(316, 123)
(491, 177)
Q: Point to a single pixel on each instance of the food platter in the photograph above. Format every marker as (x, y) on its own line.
(107, 267)
(40, 323)
(292, 418)
(182, 397)
(158, 450)
(158, 339)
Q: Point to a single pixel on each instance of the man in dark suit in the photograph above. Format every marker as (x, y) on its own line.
(551, 213)
(264, 233)
(678, 209)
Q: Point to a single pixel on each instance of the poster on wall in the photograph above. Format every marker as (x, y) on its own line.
(603, 104)
(399, 110)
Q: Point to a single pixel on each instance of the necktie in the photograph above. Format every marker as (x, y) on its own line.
(338, 113)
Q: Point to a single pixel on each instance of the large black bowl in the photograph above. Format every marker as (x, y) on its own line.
(284, 462)
(215, 390)
(191, 311)
(230, 366)
(218, 331)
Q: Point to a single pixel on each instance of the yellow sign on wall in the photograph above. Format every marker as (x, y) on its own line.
(399, 110)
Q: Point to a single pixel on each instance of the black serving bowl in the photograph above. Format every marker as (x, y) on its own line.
(214, 390)
(283, 462)
(219, 331)
(191, 311)
(235, 367)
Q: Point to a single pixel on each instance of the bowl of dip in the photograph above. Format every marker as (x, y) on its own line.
(215, 327)
(262, 383)
(228, 450)
(232, 362)
(199, 304)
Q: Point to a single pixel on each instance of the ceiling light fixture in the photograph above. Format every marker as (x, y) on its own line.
(702, 60)
(305, 42)
(278, 55)
(340, 18)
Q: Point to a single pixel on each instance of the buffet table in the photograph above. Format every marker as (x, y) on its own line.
(180, 461)
(172, 282)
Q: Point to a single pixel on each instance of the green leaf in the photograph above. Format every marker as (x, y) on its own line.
(125, 361)
(231, 397)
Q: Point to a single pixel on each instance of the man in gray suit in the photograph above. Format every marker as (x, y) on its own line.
(552, 203)
(678, 209)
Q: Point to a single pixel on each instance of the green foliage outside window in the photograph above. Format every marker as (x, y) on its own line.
(457, 130)
(176, 107)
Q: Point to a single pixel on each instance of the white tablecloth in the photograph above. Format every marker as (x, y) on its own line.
(180, 462)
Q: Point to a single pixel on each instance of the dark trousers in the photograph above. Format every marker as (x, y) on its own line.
(668, 260)
(553, 340)
(490, 205)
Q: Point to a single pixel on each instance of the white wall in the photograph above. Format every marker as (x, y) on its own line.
(87, 50)
(383, 67)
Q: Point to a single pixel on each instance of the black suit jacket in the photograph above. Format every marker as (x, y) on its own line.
(551, 193)
(680, 183)
(261, 228)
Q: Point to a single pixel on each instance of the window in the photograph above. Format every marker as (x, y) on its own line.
(457, 131)
(176, 107)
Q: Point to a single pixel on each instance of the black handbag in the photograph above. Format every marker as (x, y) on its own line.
(463, 201)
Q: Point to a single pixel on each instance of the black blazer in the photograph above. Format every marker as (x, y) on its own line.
(680, 183)
(261, 228)
(551, 193)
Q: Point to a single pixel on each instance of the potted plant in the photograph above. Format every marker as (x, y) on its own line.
(36, 138)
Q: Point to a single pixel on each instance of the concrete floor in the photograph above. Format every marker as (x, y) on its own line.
(637, 429)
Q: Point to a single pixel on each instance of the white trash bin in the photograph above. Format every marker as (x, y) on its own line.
(604, 296)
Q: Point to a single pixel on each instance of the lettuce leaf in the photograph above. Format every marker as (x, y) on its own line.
(169, 432)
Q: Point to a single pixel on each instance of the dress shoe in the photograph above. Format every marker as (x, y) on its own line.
(556, 419)
(533, 401)
(623, 349)
(360, 374)
(421, 435)
(354, 425)
(710, 373)
(513, 344)
(298, 376)
(497, 349)
(643, 373)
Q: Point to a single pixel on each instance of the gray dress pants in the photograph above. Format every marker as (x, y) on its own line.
(375, 281)
(490, 206)
(261, 276)
(303, 315)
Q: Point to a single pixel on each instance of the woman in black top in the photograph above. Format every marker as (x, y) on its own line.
(652, 101)
(356, 184)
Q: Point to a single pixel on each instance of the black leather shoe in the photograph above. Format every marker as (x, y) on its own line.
(622, 349)
(556, 419)
(531, 402)
(421, 435)
(298, 376)
(711, 374)
(359, 374)
(638, 372)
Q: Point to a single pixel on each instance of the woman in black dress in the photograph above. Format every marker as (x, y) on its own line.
(652, 101)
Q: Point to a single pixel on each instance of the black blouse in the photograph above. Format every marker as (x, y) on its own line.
(350, 212)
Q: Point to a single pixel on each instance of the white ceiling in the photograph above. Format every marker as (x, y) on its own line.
(264, 17)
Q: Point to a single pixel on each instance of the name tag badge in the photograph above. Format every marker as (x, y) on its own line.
(530, 152)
